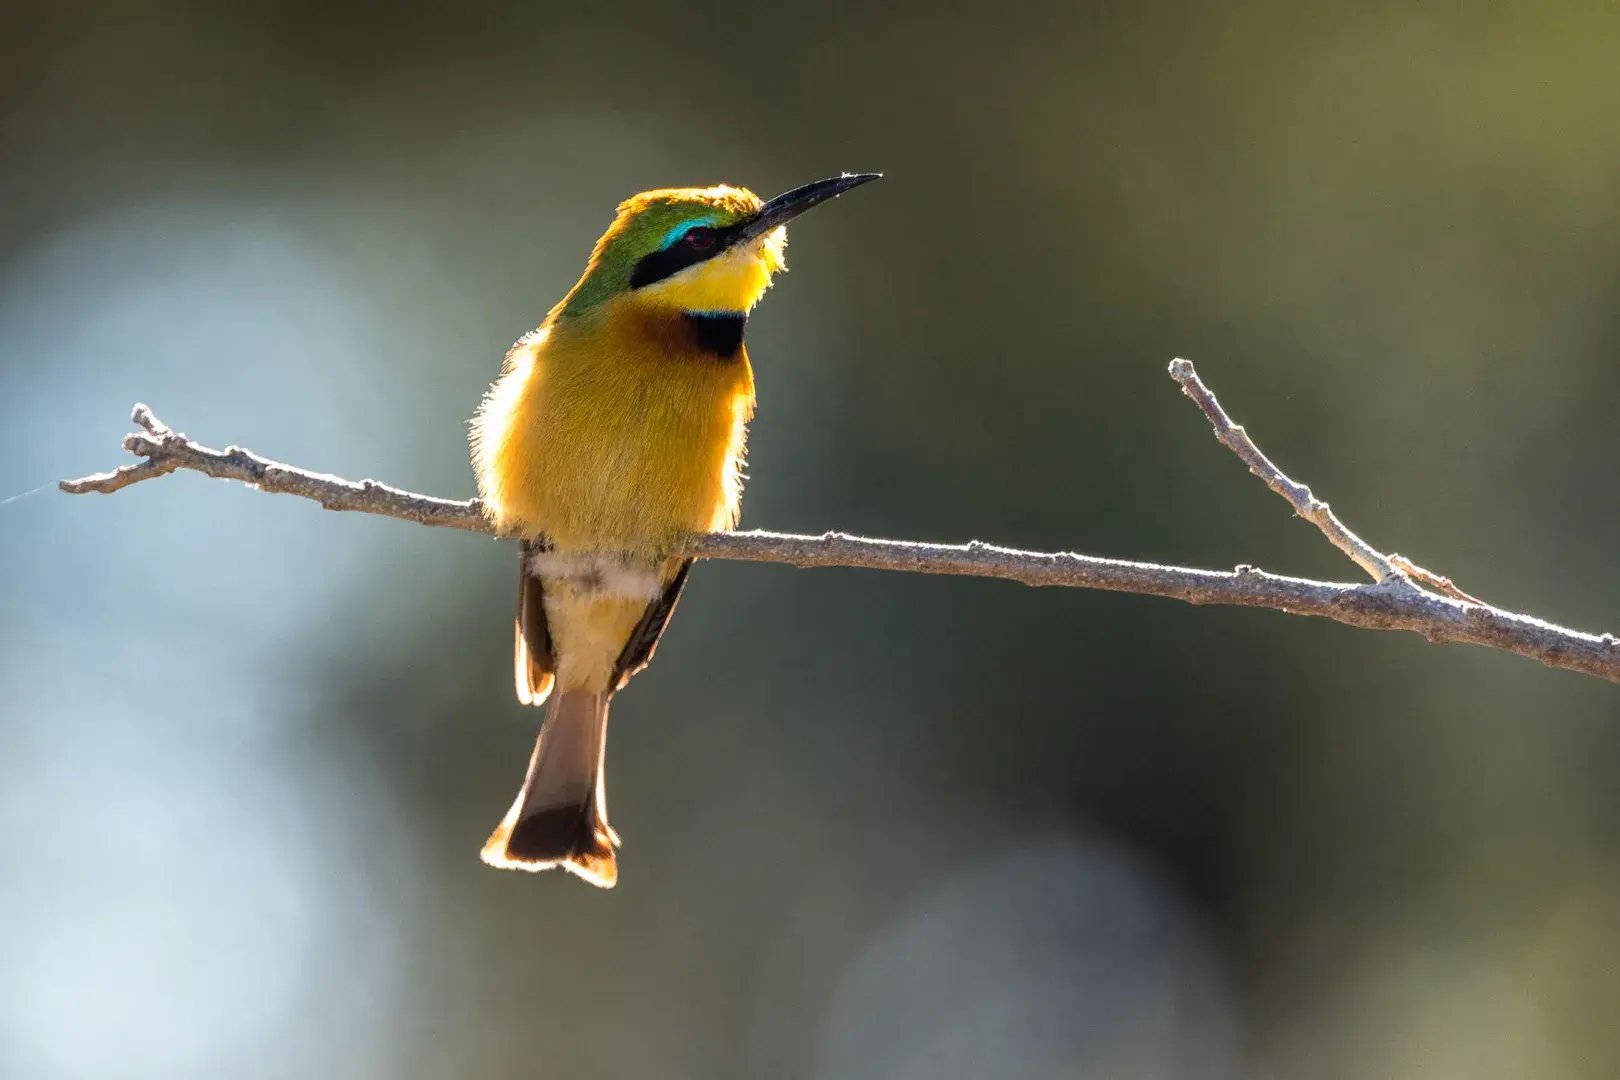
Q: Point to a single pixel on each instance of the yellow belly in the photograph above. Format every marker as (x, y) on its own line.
(614, 440)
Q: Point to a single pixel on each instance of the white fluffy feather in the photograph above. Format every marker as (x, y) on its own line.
(604, 574)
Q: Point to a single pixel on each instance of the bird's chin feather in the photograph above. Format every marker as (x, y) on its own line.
(734, 280)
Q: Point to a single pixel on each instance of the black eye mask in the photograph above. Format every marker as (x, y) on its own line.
(683, 253)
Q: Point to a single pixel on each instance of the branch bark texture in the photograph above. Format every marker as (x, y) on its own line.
(1401, 595)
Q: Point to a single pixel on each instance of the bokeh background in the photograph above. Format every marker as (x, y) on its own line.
(876, 825)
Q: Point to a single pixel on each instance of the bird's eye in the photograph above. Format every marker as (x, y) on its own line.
(699, 238)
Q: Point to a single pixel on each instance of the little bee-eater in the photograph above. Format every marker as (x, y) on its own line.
(614, 431)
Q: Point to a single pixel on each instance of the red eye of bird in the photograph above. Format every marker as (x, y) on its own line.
(699, 237)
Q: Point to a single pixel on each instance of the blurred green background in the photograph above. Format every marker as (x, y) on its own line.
(876, 825)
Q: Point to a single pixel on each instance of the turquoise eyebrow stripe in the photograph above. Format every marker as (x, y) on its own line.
(674, 235)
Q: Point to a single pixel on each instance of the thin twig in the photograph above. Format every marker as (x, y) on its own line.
(1305, 504)
(1392, 602)
(108, 482)
(1438, 582)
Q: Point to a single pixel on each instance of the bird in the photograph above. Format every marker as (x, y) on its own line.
(615, 431)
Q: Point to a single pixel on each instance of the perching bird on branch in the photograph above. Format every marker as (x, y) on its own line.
(615, 430)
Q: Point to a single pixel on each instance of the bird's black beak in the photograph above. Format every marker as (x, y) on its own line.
(790, 204)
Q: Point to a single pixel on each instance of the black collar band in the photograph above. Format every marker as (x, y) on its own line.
(717, 332)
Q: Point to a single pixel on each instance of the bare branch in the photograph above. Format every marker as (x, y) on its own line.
(166, 450)
(1393, 602)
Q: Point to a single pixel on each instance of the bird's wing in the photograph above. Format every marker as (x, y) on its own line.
(638, 650)
(533, 666)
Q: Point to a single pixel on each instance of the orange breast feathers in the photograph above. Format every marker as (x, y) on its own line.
(613, 433)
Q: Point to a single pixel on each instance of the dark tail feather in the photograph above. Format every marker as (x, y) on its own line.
(560, 816)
